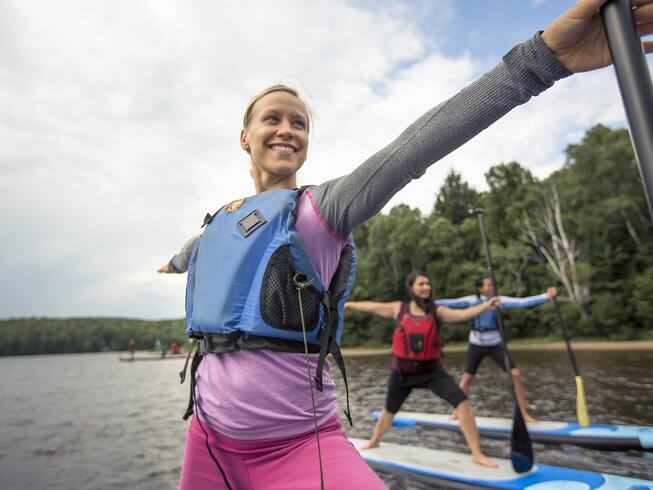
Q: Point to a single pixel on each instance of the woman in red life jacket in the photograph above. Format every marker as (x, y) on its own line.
(417, 356)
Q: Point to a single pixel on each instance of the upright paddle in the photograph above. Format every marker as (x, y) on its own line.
(634, 84)
(521, 449)
(581, 407)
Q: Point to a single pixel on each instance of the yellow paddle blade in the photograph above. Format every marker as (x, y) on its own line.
(581, 408)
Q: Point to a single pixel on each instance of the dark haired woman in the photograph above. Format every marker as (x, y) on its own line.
(484, 339)
(417, 356)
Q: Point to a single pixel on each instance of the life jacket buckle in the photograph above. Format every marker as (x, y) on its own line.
(301, 281)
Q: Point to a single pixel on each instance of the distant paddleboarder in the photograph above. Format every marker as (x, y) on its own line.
(417, 356)
(484, 337)
(131, 347)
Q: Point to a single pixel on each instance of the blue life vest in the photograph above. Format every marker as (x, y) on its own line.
(485, 321)
(243, 278)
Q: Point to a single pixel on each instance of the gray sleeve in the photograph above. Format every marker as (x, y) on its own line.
(527, 70)
(179, 262)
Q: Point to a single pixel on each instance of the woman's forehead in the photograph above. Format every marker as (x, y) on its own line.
(280, 102)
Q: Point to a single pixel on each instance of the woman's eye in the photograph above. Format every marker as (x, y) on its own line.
(300, 124)
(273, 119)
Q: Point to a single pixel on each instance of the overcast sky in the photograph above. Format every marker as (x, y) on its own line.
(119, 122)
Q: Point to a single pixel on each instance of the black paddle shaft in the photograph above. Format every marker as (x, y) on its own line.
(556, 307)
(634, 84)
(565, 334)
(490, 270)
(521, 448)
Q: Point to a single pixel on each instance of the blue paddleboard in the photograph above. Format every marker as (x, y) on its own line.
(451, 469)
(596, 436)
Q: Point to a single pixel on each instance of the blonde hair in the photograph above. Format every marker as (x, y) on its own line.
(276, 88)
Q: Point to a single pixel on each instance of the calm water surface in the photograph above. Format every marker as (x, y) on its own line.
(88, 421)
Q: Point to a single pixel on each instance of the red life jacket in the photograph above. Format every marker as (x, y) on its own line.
(416, 338)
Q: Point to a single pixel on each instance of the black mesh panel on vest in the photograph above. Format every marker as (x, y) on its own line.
(279, 301)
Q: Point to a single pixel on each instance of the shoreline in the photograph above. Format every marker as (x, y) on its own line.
(524, 345)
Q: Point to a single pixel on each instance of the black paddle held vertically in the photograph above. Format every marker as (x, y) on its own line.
(634, 84)
(581, 406)
(521, 449)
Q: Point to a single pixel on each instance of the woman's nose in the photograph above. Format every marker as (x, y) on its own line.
(284, 128)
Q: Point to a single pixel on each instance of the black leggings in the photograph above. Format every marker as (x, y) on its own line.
(476, 353)
(437, 380)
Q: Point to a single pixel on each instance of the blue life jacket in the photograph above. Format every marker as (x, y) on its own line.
(243, 279)
(485, 321)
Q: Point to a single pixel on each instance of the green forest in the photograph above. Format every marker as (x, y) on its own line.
(589, 219)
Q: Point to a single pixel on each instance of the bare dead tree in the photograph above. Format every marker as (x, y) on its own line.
(560, 250)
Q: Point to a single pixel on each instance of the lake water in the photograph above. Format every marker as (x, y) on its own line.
(89, 421)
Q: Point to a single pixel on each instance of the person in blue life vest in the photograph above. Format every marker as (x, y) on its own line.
(484, 337)
(417, 356)
(264, 410)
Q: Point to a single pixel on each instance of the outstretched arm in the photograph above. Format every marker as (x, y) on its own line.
(179, 262)
(464, 302)
(510, 303)
(455, 316)
(384, 310)
(569, 44)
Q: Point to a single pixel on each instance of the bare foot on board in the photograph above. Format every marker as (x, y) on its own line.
(483, 460)
(369, 445)
(453, 416)
(529, 420)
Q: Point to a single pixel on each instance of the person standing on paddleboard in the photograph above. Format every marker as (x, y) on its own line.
(260, 419)
(484, 337)
(417, 356)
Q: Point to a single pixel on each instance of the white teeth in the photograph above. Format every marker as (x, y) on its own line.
(284, 149)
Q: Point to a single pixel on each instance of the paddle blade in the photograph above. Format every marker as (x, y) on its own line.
(521, 449)
(581, 408)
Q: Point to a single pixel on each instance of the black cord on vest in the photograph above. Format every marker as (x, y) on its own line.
(208, 446)
(301, 285)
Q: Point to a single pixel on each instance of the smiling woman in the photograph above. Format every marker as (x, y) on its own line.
(275, 135)
(268, 279)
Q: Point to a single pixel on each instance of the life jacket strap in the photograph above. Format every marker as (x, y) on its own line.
(182, 373)
(218, 343)
(329, 345)
(324, 339)
(334, 348)
(191, 399)
(483, 329)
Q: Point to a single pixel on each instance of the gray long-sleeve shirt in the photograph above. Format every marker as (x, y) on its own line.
(345, 202)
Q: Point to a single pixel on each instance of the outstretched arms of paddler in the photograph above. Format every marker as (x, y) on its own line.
(451, 315)
(384, 310)
(391, 309)
(178, 264)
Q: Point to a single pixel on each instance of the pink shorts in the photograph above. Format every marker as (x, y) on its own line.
(289, 463)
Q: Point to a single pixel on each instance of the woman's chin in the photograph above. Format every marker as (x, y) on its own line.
(283, 168)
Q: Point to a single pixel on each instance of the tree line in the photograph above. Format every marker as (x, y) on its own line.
(588, 222)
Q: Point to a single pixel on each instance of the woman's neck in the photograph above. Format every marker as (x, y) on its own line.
(416, 309)
(264, 181)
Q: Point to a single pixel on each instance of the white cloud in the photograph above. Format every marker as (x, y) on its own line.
(119, 124)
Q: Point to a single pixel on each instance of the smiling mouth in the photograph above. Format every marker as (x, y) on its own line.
(283, 149)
